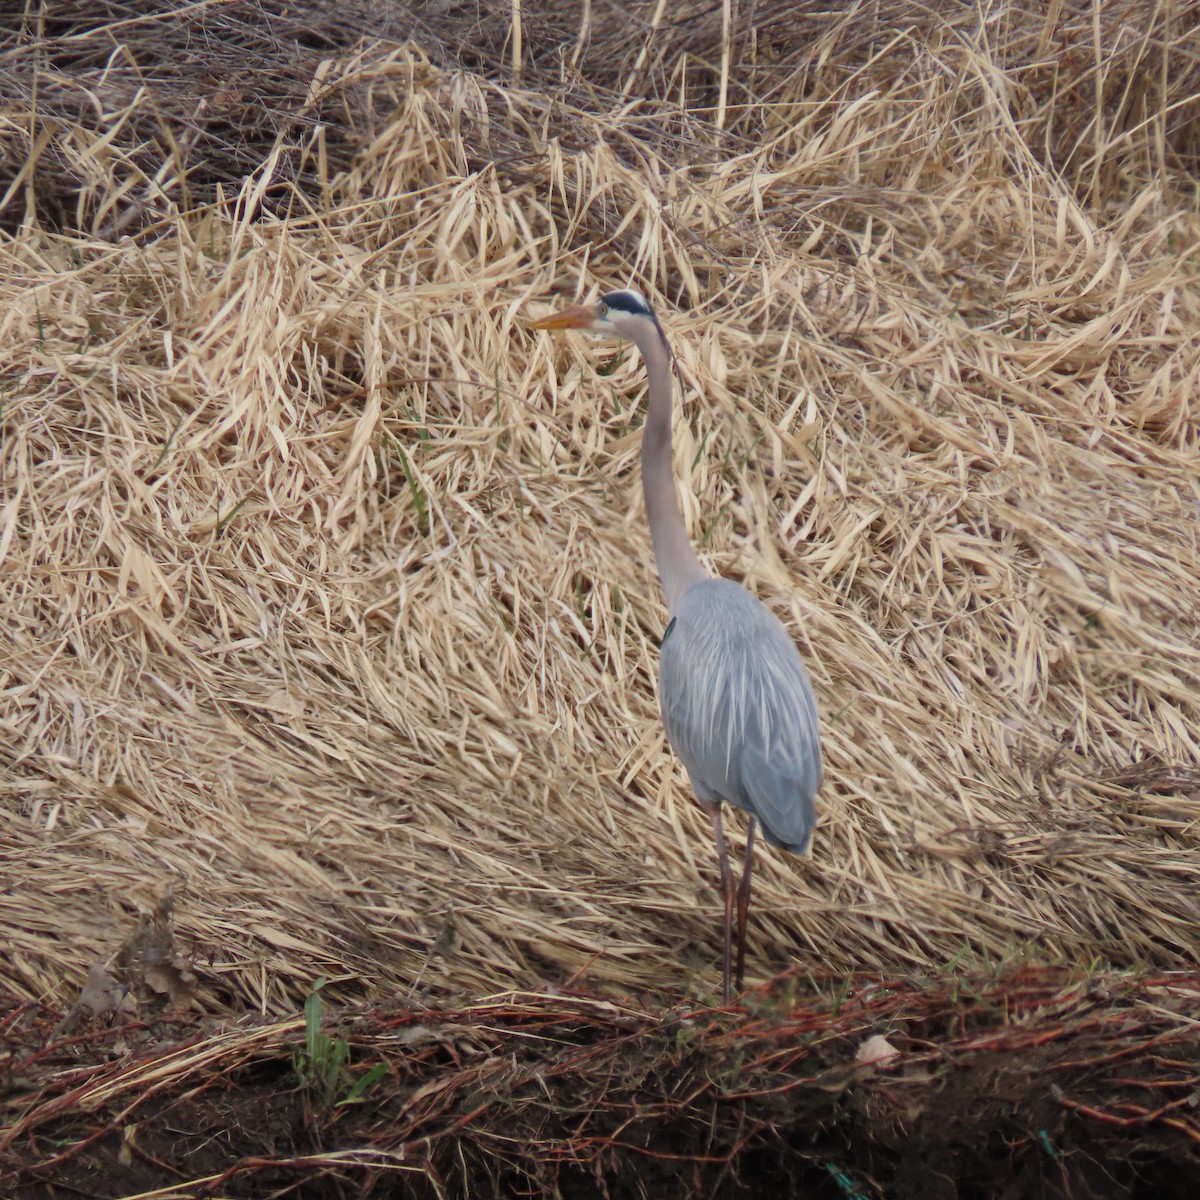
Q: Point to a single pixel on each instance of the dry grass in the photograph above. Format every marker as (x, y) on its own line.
(327, 587)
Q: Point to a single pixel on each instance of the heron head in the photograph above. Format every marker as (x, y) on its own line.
(619, 314)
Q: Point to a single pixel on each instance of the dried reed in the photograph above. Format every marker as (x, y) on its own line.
(327, 589)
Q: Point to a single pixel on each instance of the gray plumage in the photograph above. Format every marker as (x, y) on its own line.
(739, 711)
(735, 697)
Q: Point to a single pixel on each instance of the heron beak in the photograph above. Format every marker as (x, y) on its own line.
(582, 316)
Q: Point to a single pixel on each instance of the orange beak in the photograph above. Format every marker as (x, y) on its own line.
(579, 317)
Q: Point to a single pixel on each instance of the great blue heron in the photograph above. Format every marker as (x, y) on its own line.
(736, 702)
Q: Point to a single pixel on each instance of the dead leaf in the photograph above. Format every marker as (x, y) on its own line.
(100, 994)
(878, 1052)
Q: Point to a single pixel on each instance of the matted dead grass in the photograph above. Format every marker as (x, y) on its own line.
(328, 595)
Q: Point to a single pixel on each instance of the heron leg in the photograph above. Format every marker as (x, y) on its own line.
(743, 906)
(714, 812)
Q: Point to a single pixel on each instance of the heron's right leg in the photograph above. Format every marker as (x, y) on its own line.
(743, 906)
(714, 811)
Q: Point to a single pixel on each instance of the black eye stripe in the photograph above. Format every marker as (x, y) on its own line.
(627, 302)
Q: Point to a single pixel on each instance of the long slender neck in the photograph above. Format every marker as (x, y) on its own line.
(678, 566)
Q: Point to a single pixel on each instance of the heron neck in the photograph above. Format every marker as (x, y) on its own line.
(678, 566)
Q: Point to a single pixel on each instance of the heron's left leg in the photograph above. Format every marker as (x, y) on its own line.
(743, 905)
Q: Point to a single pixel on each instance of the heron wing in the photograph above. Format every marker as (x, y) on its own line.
(782, 795)
(739, 711)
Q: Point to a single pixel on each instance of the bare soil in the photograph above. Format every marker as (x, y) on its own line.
(1032, 1084)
